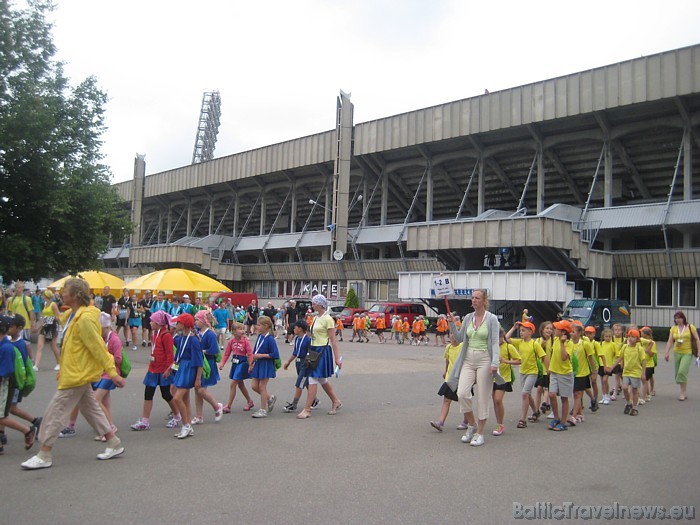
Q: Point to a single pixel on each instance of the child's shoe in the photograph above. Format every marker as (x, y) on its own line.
(499, 430)
(141, 424)
(437, 425)
(628, 408)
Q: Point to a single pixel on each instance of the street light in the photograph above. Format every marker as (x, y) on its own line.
(352, 204)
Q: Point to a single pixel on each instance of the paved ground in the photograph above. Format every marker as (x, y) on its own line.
(377, 461)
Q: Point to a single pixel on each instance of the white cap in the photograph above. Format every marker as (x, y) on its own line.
(185, 296)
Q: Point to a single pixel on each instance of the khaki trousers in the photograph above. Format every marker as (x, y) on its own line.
(57, 414)
(476, 369)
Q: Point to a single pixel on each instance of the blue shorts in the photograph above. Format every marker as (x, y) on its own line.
(135, 321)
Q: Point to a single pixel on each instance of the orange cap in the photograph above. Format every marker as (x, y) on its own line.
(529, 325)
(564, 326)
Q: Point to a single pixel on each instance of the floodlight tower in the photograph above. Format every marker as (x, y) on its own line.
(208, 127)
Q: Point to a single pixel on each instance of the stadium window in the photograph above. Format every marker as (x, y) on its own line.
(624, 290)
(687, 293)
(643, 295)
(664, 292)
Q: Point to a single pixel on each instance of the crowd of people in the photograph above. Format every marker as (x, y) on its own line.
(185, 354)
(557, 368)
(560, 363)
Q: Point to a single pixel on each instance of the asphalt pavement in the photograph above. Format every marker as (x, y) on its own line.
(376, 461)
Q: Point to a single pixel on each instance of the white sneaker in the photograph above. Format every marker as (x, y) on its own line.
(551, 416)
(606, 400)
(185, 431)
(110, 453)
(469, 434)
(35, 462)
(219, 412)
(36, 368)
(173, 423)
(260, 413)
(56, 368)
(477, 440)
(271, 402)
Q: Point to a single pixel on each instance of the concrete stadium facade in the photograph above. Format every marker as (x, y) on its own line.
(581, 185)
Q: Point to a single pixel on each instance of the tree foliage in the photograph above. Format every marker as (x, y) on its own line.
(58, 209)
(351, 300)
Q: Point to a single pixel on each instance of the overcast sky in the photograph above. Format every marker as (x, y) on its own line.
(279, 65)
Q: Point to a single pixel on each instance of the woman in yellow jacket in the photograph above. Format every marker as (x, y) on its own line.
(84, 357)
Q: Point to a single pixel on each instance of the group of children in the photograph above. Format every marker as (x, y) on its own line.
(560, 366)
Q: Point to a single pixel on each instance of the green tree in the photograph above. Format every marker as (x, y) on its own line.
(351, 300)
(58, 209)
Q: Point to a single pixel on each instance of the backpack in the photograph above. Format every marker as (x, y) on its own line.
(574, 362)
(125, 366)
(206, 367)
(20, 370)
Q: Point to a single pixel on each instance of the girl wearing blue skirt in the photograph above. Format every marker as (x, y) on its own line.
(322, 340)
(188, 370)
(210, 347)
(160, 374)
(262, 365)
(240, 351)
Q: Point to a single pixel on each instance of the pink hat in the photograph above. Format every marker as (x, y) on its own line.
(161, 318)
(203, 317)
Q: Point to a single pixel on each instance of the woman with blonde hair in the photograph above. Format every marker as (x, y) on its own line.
(477, 363)
(262, 366)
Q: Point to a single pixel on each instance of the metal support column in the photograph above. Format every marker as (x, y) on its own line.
(608, 170)
(481, 189)
(293, 210)
(540, 180)
(263, 212)
(429, 193)
(189, 217)
(385, 198)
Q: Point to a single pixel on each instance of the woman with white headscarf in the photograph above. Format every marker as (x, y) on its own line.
(323, 340)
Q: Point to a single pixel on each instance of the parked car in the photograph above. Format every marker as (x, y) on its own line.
(388, 310)
(335, 310)
(347, 315)
(601, 313)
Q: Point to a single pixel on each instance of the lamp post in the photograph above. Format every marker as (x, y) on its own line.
(337, 254)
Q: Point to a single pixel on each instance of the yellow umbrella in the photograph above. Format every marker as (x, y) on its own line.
(177, 279)
(96, 280)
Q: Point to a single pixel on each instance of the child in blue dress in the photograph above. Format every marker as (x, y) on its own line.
(210, 347)
(302, 342)
(188, 370)
(262, 366)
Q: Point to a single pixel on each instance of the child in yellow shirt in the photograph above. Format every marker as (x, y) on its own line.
(451, 352)
(632, 358)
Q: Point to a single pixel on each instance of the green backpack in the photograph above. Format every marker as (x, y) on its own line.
(125, 367)
(206, 367)
(574, 362)
(20, 370)
(30, 381)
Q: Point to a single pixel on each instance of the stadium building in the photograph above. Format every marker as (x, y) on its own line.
(576, 186)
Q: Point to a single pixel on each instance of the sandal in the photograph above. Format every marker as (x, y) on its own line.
(334, 410)
(248, 406)
(29, 438)
(101, 438)
(522, 424)
(558, 428)
(304, 414)
(534, 417)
